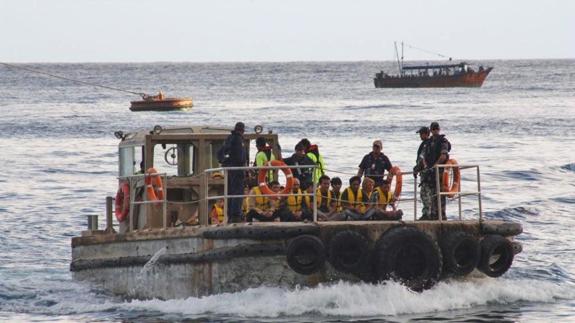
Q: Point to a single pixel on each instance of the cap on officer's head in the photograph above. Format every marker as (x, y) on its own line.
(434, 125)
(423, 130)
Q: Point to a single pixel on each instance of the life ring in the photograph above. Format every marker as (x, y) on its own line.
(154, 185)
(122, 204)
(349, 252)
(410, 256)
(305, 254)
(455, 187)
(262, 178)
(398, 181)
(460, 252)
(496, 255)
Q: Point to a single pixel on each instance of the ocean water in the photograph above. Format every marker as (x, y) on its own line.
(59, 161)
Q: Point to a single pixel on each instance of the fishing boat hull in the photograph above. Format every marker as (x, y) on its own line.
(471, 79)
(197, 261)
(169, 104)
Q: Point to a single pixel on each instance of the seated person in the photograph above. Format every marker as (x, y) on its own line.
(352, 200)
(326, 204)
(263, 208)
(336, 192)
(217, 212)
(296, 206)
(381, 199)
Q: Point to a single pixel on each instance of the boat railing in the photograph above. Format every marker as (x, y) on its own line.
(457, 195)
(207, 173)
(133, 181)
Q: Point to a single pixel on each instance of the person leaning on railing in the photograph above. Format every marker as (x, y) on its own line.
(263, 208)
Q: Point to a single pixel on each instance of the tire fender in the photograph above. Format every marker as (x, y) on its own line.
(305, 254)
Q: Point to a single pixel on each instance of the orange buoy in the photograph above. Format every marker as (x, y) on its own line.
(455, 186)
(122, 205)
(262, 178)
(398, 181)
(154, 185)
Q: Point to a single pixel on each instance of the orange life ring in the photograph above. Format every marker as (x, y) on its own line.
(122, 205)
(154, 185)
(398, 181)
(455, 187)
(262, 178)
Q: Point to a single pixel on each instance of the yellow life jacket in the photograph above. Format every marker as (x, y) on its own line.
(319, 198)
(219, 212)
(337, 198)
(383, 199)
(262, 202)
(245, 205)
(295, 199)
(355, 200)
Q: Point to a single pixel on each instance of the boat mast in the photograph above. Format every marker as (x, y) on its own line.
(397, 56)
(402, 58)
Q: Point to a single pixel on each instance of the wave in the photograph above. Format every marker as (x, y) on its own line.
(519, 213)
(362, 300)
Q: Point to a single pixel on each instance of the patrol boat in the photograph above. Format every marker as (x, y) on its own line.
(157, 241)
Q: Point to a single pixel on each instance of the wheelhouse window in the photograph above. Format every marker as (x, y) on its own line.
(131, 160)
(175, 159)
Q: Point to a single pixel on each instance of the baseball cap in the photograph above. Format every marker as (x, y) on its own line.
(240, 126)
(423, 130)
(434, 125)
(378, 143)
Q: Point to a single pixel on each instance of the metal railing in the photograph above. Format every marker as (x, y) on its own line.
(243, 168)
(203, 217)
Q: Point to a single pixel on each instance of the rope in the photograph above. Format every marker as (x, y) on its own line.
(426, 51)
(33, 70)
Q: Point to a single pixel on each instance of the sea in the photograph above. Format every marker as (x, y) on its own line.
(59, 161)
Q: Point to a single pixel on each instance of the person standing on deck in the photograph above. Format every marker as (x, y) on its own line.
(312, 152)
(236, 156)
(299, 158)
(374, 164)
(436, 153)
(420, 165)
(263, 156)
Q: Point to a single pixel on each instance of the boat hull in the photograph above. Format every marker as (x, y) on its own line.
(169, 104)
(471, 79)
(193, 261)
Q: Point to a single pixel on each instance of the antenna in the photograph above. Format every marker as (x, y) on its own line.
(397, 56)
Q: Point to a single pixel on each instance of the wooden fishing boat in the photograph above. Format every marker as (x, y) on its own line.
(459, 74)
(160, 103)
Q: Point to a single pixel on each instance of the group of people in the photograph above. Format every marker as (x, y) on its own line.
(361, 200)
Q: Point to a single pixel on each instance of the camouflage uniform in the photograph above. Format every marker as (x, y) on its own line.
(436, 147)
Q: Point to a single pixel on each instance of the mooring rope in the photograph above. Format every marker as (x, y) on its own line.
(33, 70)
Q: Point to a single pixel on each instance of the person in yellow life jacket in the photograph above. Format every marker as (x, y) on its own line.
(326, 203)
(217, 213)
(263, 208)
(382, 199)
(352, 200)
(312, 152)
(263, 156)
(296, 206)
(336, 192)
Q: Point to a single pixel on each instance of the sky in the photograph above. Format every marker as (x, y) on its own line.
(279, 31)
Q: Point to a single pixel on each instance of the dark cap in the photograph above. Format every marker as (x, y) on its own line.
(260, 141)
(434, 125)
(240, 126)
(423, 130)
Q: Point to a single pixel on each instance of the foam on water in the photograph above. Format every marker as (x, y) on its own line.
(362, 300)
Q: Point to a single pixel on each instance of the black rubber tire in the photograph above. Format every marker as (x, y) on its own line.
(495, 245)
(461, 253)
(349, 252)
(410, 256)
(305, 254)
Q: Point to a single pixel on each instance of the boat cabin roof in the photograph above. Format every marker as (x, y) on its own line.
(424, 67)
